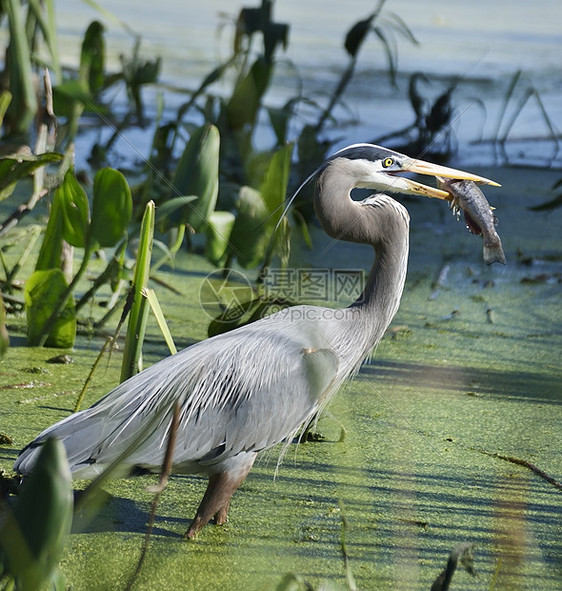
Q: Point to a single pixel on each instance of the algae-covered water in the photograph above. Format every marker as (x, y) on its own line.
(471, 364)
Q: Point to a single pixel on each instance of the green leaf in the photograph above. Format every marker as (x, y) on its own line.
(170, 206)
(260, 211)
(245, 102)
(51, 248)
(112, 207)
(43, 290)
(150, 295)
(146, 72)
(249, 238)
(92, 58)
(252, 20)
(74, 210)
(280, 118)
(15, 167)
(70, 92)
(34, 533)
(219, 228)
(401, 27)
(197, 173)
(274, 186)
(355, 37)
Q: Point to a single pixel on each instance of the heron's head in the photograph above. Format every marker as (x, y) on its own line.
(378, 168)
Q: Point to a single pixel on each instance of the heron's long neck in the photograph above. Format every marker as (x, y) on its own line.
(384, 224)
(380, 299)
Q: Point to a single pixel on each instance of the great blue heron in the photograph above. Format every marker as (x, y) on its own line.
(244, 391)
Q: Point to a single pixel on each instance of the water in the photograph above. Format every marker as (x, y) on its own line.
(480, 42)
(476, 39)
(408, 482)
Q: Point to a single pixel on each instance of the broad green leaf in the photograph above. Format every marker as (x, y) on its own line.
(274, 189)
(245, 102)
(34, 532)
(74, 210)
(280, 118)
(274, 186)
(219, 228)
(92, 58)
(197, 173)
(43, 291)
(260, 211)
(112, 207)
(51, 248)
(249, 238)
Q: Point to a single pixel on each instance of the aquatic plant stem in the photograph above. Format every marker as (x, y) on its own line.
(526, 464)
(139, 310)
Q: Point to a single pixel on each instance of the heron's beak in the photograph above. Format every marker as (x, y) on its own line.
(427, 168)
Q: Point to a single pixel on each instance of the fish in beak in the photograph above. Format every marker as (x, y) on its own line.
(412, 165)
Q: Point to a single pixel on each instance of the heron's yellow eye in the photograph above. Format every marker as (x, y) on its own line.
(387, 162)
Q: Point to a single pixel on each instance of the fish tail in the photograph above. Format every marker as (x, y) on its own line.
(493, 253)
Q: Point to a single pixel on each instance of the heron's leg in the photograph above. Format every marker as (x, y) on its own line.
(216, 500)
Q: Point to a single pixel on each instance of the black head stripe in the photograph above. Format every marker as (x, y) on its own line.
(364, 152)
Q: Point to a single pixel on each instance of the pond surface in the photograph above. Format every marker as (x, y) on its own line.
(480, 44)
(468, 369)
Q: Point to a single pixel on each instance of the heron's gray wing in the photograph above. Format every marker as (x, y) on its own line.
(248, 410)
(275, 412)
(85, 434)
(247, 389)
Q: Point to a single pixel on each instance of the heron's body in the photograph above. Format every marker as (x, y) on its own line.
(247, 390)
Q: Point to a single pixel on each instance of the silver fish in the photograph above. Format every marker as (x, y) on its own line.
(478, 215)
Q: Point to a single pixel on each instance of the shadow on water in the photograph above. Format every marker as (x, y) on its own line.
(395, 517)
(522, 385)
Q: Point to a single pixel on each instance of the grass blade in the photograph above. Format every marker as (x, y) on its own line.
(150, 295)
(139, 311)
